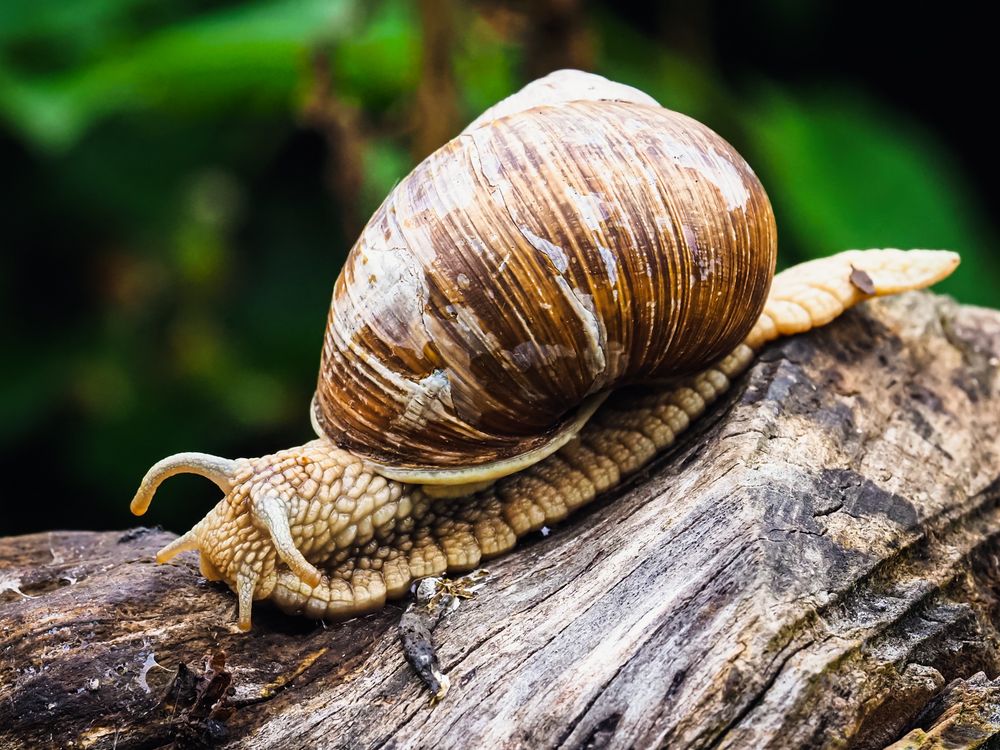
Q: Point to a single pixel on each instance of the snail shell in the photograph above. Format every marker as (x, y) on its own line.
(574, 238)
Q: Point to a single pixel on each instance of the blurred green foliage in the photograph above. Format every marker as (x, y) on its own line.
(183, 180)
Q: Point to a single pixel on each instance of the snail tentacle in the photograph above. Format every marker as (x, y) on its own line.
(272, 513)
(286, 513)
(182, 543)
(246, 584)
(221, 471)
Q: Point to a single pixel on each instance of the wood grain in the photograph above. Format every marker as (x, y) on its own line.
(811, 566)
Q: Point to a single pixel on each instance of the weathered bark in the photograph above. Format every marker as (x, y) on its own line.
(964, 714)
(810, 567)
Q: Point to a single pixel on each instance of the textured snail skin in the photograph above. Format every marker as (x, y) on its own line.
(318, 532)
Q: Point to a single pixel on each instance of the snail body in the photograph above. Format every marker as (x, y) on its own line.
(575, 238)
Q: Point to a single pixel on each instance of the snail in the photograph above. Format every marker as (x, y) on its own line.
(574, 239)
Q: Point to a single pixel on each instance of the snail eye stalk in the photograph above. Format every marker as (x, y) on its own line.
(221, 471)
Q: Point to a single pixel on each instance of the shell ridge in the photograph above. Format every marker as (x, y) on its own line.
(532, 239)
(561, 87)
(495, 180)
(435, 393)
(558, 260)
(568, 245)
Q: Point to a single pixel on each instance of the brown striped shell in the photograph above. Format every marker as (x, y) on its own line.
(574, 238)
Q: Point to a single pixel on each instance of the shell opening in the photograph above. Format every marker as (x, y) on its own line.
(478, 477)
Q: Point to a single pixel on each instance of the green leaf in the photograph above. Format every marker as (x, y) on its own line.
(485, 68)
(385, 164)
(627, 56)
(252, 54)
(381, 62)
(843, 173)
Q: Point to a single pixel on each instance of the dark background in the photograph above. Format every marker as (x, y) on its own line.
(182, 180)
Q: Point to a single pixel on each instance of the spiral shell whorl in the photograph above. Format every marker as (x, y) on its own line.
(544, 255)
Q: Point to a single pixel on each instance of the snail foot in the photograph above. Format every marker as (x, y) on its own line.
(344, 594)
(812, 294)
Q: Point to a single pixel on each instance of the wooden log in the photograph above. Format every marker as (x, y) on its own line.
(965, 714)
(811, 566)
